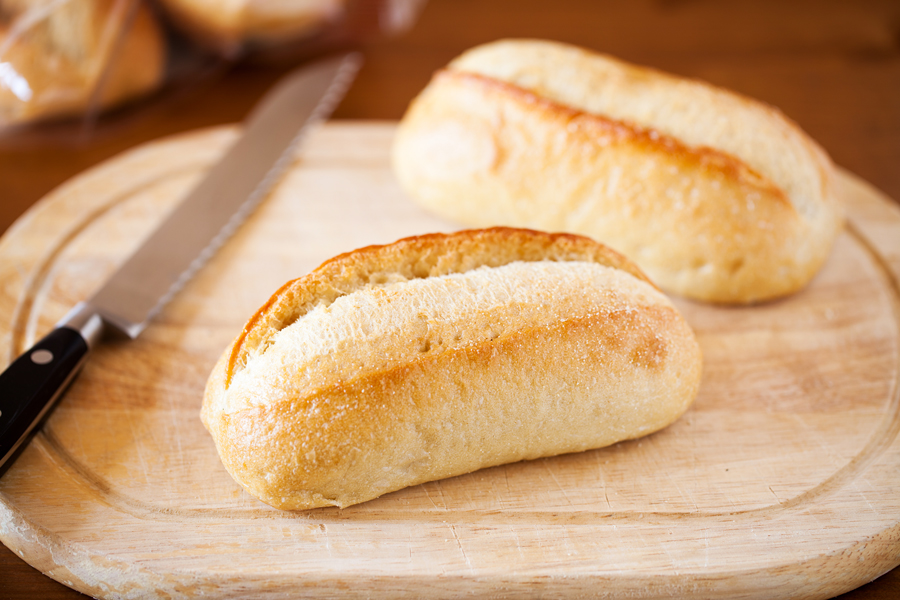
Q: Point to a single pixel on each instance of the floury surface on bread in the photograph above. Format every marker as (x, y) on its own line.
(439, 355)
(716, 196)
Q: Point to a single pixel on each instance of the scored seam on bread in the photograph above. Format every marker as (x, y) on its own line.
(515, 61)
(730, 166)
(422, 257)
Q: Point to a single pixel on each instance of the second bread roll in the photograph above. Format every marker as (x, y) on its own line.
(716, 196)
(438, 355)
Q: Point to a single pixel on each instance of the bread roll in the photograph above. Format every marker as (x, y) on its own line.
(715, 196)
(439, 355)
(65, 58)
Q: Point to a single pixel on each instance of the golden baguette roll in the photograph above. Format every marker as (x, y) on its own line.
(716, 196)
(439, 355)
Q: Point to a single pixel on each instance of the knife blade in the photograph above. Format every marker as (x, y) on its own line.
(176, 250)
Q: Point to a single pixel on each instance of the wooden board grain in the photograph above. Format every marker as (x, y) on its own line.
(781, 480)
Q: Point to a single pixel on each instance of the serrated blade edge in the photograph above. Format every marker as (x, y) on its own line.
(195, 229)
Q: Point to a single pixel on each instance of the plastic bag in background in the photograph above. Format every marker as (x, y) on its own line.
(77, 58)
(61, 58)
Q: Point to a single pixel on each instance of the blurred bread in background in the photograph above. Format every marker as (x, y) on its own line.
(227, 25)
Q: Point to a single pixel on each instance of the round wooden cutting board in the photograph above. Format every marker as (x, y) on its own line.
(783, 479)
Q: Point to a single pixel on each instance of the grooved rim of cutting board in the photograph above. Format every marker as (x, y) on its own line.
(879, 548)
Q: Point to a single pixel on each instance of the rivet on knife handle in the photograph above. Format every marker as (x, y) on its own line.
(32, 384)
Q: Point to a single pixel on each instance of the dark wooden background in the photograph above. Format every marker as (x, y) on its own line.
(832, 66)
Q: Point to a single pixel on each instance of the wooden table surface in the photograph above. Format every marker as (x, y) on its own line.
(832, 66)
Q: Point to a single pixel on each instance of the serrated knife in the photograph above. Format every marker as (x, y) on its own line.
(176, 250)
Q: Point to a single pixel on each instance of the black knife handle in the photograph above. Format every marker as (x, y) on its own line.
(33, 383)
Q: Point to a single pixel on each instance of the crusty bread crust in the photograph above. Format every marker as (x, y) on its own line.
(416, 257)
(717, 197)
(443, 354)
